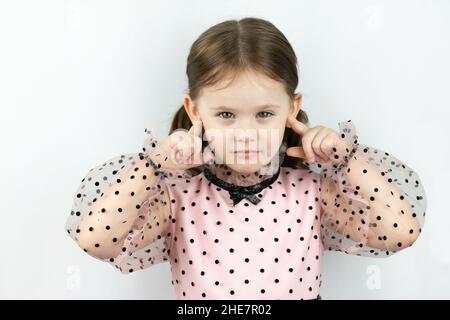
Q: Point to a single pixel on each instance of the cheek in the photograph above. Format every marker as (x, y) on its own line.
(273, 140)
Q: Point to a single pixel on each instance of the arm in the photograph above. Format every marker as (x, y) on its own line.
(373, 204)
(103, 231)
(393, 223)
(121, 211)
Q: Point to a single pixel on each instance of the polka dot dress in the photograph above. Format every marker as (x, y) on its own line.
(246, 251)
(228, 239)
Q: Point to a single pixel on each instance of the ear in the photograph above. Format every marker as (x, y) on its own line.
(296, 105)
(190, 107)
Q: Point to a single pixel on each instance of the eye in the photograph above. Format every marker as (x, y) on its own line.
(227, 114)
(266, 114)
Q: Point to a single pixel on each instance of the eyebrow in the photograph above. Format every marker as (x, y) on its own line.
(264, 106)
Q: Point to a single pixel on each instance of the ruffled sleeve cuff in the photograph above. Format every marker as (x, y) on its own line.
(373, 204)
(122, 196)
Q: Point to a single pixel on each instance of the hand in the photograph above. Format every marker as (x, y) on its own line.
(318, 143)
(183, 149)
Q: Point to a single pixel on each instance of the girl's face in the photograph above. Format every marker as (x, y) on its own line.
(250, 114)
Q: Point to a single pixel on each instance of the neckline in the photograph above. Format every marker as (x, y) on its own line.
(247, 190)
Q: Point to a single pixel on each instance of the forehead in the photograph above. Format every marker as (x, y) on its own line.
(246, 90)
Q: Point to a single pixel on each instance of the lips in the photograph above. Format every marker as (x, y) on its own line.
(246, 151)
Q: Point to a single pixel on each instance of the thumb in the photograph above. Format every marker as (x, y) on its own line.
(208, 155)
(296, 152)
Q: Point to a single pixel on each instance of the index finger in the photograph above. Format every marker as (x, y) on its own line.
(297, 126)
(197, 128)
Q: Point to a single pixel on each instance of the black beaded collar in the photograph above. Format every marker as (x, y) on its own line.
(237, 193)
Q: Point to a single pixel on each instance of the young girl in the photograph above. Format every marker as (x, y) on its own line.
(243, 197)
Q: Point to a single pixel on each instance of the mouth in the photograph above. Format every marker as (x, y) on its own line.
(246, 151)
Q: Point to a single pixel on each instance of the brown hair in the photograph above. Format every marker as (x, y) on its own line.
(233, 46)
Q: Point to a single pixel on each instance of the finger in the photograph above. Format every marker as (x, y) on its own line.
(299, 127)
(196, 128)
(299, 153)
(317, 142)
(175, 139)
(182, 155)
(172, 147)
(307, 144)
(175, 156)
(327, 145)
(184, 148)
(295, 152)
(196, 131)
(208, 155)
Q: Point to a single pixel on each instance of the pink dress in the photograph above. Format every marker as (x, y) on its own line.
(233, 236)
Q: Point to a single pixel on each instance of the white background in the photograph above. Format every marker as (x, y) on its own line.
(80, 80)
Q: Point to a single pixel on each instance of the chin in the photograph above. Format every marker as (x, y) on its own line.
(245, 167)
